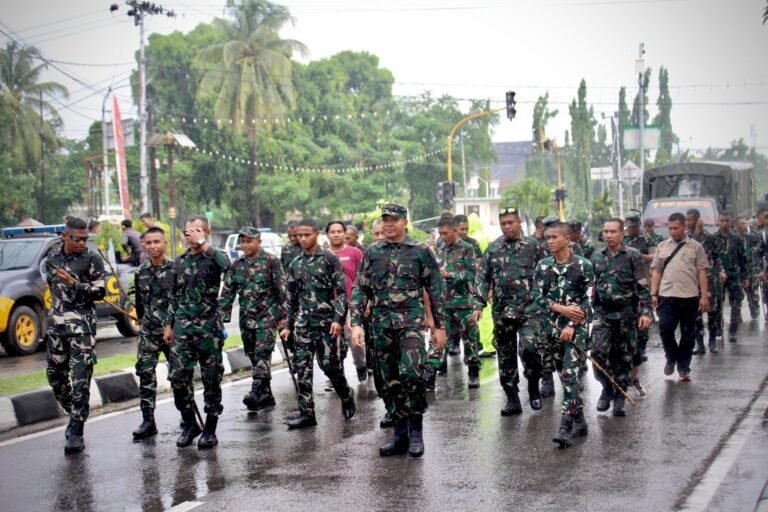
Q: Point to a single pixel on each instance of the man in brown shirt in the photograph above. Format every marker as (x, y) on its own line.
(679, 273)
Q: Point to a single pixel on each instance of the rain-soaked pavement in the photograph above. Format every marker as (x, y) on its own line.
(671, 452)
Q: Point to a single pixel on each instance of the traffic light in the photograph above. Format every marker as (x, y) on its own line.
(440, 193)
(560, 195)
(511, 110)
(446, 190)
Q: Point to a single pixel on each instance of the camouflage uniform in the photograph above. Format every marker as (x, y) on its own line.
(654, 240)
(714, 293)
(453, 341)
(71, 331)
(197, 329)
(288, 253)
(475, 246)
(642, 244)
(260, 285)
(317, 297)
(566, 284)
(733, 262)
(621, 297)
(393, 276)
(752, 251)
(459, 261)
(507, 270)
(153, 287)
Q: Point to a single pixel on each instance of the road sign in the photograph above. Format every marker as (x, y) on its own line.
(651, 137)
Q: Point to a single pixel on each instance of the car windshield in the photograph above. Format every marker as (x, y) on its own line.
(18, 254)
(660, 209)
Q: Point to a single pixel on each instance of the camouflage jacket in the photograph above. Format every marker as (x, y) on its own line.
(260, 285)
(475, 246)
(288, 253)
(707, 241)
(72, 310)
(654, 240)
(507, 270)
(153, 287)
(733, 259)
(587, 248)
(394, 277)
(640, 242)
(566, 284)
(316, 291)
(752, 251)
(621, 284)
(194, 307)
(459, 260)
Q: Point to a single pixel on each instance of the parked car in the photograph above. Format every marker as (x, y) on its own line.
(270, 242)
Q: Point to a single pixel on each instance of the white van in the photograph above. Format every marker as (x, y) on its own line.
(270, 242)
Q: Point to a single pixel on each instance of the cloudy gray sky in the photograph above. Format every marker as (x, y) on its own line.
(716, 53)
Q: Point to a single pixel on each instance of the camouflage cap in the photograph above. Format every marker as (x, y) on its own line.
(632, 220)
(249, 232)
(551, 219)
(395, 210)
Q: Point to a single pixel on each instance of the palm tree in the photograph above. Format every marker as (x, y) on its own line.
(531, 197)
(250, 75)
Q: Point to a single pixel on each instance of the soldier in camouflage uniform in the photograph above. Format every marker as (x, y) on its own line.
(393, 277)
(581, 247)
(288, 253)
(622, 306)
(734, 273)
(548, 363)
(457, 263)
(506, 270)
(153, 287)
(196, 332)
(561, 284)
(257, 279)
(316, 310)
(761, 230)
(75, 276)
(654, 238)
(751, 243)
(695, 231)
(462, 228)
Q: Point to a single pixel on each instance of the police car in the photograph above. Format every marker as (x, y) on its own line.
(24, 294)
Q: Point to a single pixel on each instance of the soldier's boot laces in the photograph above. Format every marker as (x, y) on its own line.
(430, 373)
(348, 406)
(547, 385)
(75, 442)
(534, 395)
(513, 406)
(190, 430)
(606, 395)
(148, 428)
(209, 439)
(399, 443)
(304, 420)
(473, 379)
(579, 425)
(564, 435)
(415, 437)
(619, 405)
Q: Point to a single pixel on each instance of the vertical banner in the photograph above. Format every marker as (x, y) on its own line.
(122, 172)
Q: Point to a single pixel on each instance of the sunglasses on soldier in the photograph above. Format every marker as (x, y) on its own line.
(509, 210)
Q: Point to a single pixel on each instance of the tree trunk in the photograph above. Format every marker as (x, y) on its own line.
(256, 211)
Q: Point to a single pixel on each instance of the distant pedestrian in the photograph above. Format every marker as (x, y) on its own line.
(132, 244)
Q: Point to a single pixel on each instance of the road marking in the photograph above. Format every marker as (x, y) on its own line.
(187, 505)
(709, 484)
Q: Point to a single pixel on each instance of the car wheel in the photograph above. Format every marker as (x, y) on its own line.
(23, 334)
(128, 327)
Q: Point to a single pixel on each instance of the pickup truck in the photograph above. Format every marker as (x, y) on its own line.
(24, 294)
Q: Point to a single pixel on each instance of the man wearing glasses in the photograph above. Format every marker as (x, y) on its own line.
(75, 276)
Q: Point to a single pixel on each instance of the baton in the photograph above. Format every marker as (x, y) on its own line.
(197, 411)
(290, 365)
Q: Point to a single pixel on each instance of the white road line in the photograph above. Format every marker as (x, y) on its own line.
(706, 489)
(183, 507)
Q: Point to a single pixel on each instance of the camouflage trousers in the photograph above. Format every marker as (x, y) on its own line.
(753, 296)
(400, 356)
(513, 337)
(568, 357)
(187, 351)
(459, 325)
(317, 340)
(71, 354)
(614, 342)
(714, 315)
(373, 362)
(733, 289)
(150, 348)
(258, 345)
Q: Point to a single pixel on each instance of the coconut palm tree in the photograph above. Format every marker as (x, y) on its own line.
(531, 197)
(249, 76)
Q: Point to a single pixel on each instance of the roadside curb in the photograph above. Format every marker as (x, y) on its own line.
(40, 405)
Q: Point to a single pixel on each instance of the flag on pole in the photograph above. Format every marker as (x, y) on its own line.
(122, 171)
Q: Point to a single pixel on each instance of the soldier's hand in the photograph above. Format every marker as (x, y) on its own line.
(573, 313)
(438, 338)
(168, 335)
(477, 315)
(335, 329)
(567, 333)
(644, 322)
(745, 283)
(358, 336)
(761, 276)
(443, 273)
(723, 277)
(655, 302)
(367, 310)
(429, 323)
(703, 304)
(64, 277)
(285, 334)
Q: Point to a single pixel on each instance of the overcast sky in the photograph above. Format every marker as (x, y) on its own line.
(716, 53)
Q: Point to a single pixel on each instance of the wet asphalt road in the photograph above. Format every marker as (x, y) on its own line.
(475, 459)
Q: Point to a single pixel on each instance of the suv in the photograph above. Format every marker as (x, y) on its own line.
(25, 297)
(270, 242)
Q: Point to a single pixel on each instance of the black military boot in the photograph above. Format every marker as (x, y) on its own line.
(473, 378)
(713, 343)
(547, 385)
(190, 431)
(564, 436)
(68, 430)
(534, 395)
(348, 406)
(208, 439)
(387, 421)
(606, 395)
(579, 425)
(430, 372)
(147, 427)
(399, 443)
(513, 404)
(251, 400)
(618, 405)
(75, 442)
(415, 437)
(304, 420)
(699, 350)
(266, 398)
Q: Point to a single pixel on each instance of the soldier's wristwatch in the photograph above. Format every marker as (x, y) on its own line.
(201, 241)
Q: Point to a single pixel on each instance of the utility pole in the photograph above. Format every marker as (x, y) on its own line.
(640, 68)
(137, 11)
(105, 149)
(463, 172)
(41, 198)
